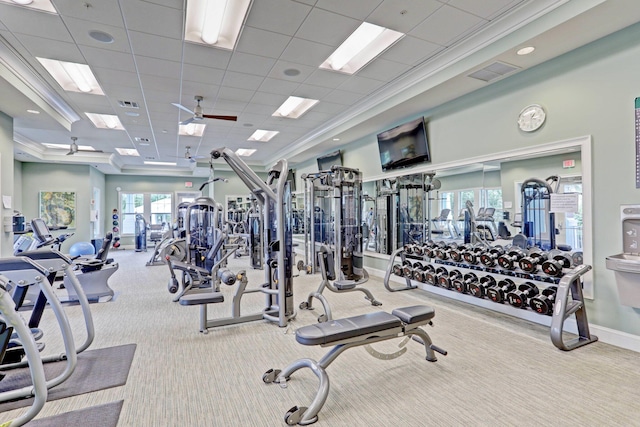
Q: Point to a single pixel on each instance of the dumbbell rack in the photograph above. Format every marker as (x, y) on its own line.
(568, 300)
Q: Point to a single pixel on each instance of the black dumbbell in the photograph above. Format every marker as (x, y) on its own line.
(462, 284)
(443, 252)
(430, 251)
(530, 262)
(456, 253)
(417, 250)
(408, 249)
(498, 292)
(577, 258)
(554, 266)
(479, 289)
(446, 281)
(489, 258)
(407, 268)
(397, 269)
(440, 272)
(430, 275)
(472, 255)
(509, 260)
(418, 272)
(543, 303)
(520, 297)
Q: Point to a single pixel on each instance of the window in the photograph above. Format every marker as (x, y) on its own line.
(465, 195)
(446, 200)
(155, 208)
(492, 198)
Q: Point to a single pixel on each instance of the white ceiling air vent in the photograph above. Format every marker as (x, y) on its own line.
(493, 71)
(128, 104)
(138, 139)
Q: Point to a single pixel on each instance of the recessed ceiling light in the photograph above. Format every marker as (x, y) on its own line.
(294, 107)
(105, 121)
(525, 50)
(364, 44)
(101, 36)
(132, 114)
(127, 151)
(245, 152)
(33, 111)
(66, 146)
(336, 139)
(215, 22)
(192, 129)
(43, 5)
(73, 77)
(263, 135)
(160, 163)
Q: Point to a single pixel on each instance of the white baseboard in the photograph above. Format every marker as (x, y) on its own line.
(604, 334)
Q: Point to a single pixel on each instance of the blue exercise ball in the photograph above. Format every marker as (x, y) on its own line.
(82, 248)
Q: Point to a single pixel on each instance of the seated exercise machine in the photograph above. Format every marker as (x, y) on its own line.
(343, 334)
(173, 242)
(340, 259)
(274, 198)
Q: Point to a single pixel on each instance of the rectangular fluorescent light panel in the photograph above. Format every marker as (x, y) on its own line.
(147, 162)
(192, 129)
(105, 121)
(215, 22)
(127, 151)
(263, 135)
(66, 146)
(246, 152)
(294, 107)
(43, 5)
(72, 77)
(363, 45)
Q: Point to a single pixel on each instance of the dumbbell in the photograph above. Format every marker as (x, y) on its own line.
(440, 272)
(525, 291)
(577, 258)
(456, 253)
(498, 292)
(443, 252)
(553, 266)
(431, 276)
(408, 249)
(446, 281)
(472, 255)
(417, 250)
(417, 273)
(509, 260)
(489, 258)
(479, 289)
(397, 269)
(430, 251)
(427, 272)
(530, 262)
(462, 284)
(407, 269)
(543, 303)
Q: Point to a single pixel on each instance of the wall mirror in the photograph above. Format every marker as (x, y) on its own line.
(397, 210)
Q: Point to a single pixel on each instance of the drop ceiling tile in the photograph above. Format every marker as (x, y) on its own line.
(311, 91)
(328, 107)
(196, 73)
(326, 27)
(361, 85)
(390, 13)
(326, 78)
(52, 49)
(234, 79)
(155, 19)
(251, 64)
(235, 94)
(80, 30)
(115, 78)
(100, 58)
(343, 97)
(411, 51)
(487, 9)
(156, 46)
(278, 86)
(104, 12)
(261, 42)
(446, 26)
(359, 10)
(22, 20)
(227, 107)
(280, 16)
(206, 56)
(306, 52)
(158, 67)
(383, 70)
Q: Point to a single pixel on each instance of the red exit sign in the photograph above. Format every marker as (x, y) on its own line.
(567, 164)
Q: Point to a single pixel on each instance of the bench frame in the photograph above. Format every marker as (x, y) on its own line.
(309, 415)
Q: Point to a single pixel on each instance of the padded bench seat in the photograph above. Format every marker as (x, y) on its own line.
(363, 325)
(201, 298)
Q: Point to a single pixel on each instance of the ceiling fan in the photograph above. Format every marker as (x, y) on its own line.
(197, 113)
(192, 158)
(73, 148)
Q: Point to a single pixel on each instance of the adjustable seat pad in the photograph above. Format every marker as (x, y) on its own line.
(414, 314)
(201, 298)
(350, 327)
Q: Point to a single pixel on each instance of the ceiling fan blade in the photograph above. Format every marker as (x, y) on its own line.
(182, 107)
(71, 153)
(186, 122)
(230, 118)
(90, 151)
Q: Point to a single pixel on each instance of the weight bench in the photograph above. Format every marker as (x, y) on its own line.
(346, 333)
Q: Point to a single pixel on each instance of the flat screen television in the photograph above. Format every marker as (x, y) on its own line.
(328, 160)
(404, 145)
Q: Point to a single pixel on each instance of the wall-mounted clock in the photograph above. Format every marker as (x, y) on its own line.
(531, 118)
